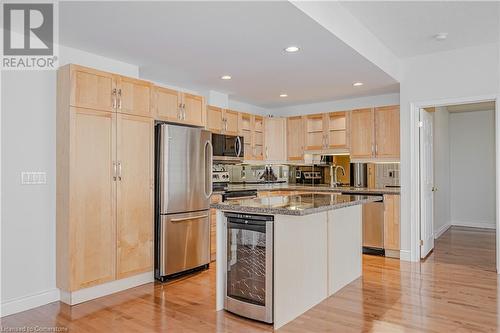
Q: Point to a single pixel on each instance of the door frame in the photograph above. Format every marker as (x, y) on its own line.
(415, 182)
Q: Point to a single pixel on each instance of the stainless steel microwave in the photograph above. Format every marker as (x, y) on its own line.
(227, 147)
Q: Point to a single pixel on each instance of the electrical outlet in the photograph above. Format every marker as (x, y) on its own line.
(33, 178)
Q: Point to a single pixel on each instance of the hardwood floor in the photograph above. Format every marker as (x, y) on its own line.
(453, 290)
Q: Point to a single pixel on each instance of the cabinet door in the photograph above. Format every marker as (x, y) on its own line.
(315, 132)
(245, 130)
(361, 134)
(92, 89)
(134, 195)
(194, 108)
(295, 138)
(387, 132)
(214, 119)
(391, 222)
(134, 97)
(337, 129)
(258, 138)
(213, 227)
(231, 122)
(275, 139)
(167, 104)
(92, 199)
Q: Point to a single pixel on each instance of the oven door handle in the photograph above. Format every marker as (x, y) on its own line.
(244, 226)
(239, 198)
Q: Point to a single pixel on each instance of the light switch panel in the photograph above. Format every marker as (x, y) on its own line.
(33, 178)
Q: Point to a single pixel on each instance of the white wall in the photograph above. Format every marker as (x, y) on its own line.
(456, 74)
(472, 172)
(442, 218)
(250, 108)
(339, 105)
(28, 211)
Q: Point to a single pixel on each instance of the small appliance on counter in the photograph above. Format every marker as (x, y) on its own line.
(228, 148)
(220, 177)
(359, 174)
(308, 175)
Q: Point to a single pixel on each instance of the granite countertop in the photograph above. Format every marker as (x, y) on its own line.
(299, 204)
(310, 188)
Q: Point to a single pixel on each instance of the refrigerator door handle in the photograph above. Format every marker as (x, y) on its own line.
(208, 168)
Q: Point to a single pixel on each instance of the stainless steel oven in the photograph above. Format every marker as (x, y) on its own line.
(249, 275)
(227, 147)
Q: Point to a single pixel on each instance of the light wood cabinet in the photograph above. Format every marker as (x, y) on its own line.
(167, 104)
(104, 187)
(327, 131)
(246, 131)
(134, 96)
(92, 89)
(387, 132)
(194, 111)
(215, 198)
(134, 223)
(392, 222)
(374, 133)
(222, 121)
(315, 137)
(275, 139)
(258, 138)
(295, 138)
(251, 128)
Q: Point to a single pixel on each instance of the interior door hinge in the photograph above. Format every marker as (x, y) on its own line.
(421, 242)
(420, 124)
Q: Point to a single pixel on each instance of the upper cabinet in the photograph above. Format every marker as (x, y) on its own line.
(295, 138)
(275, 142)
(92, 89)
(327, 131)
(374, 133)
(178, 107)
(133, 96)
(97, 90)
(246, 131)
(251, 128)
(258, 138)
(222, 121)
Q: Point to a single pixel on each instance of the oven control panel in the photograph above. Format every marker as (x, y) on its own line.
(220, 177)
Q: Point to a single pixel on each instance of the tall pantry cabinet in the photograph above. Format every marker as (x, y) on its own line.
(104, 177)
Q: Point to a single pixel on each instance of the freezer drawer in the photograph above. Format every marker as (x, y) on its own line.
(184, 241)
(373, 225)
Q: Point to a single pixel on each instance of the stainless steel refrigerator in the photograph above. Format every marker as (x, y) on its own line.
(183, 188)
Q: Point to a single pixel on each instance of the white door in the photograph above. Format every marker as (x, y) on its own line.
(426, 183)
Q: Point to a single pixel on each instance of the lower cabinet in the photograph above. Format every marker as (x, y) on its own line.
(216, 198)
(391, 224)
(104, 197)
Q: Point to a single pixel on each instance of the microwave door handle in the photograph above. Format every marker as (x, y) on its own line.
(209, 151)
(238, 146)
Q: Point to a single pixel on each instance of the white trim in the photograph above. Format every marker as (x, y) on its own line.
(29, 302)
(415, 160)
(105, 289)
(474, 224)
(405, 255)
(441, 230)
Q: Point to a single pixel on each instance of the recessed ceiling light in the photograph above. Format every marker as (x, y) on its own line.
(357, 84)
(283, 95)
(441, 36)
(292, 49)
(226, 77)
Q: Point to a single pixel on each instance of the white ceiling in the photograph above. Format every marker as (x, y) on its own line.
(408, 27)
(191, 44)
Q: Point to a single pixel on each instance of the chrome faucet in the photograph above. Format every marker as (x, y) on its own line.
(333, 174)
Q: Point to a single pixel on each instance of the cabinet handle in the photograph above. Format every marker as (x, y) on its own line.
(120, 171)
(114, 171)
(113, 98)
(376, 149)
(179, 111)
(373, 149)
(120, 99)
(183, 111)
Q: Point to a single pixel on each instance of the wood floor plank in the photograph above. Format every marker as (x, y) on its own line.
(453, 290)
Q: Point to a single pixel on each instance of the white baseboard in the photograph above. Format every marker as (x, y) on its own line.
(441, 230)
(404, 255)
(478, 224)
(29, 302)
(105, 289)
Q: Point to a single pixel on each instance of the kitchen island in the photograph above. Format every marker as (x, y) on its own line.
(316, 249)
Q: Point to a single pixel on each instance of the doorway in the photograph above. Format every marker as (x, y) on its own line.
(457, 158)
